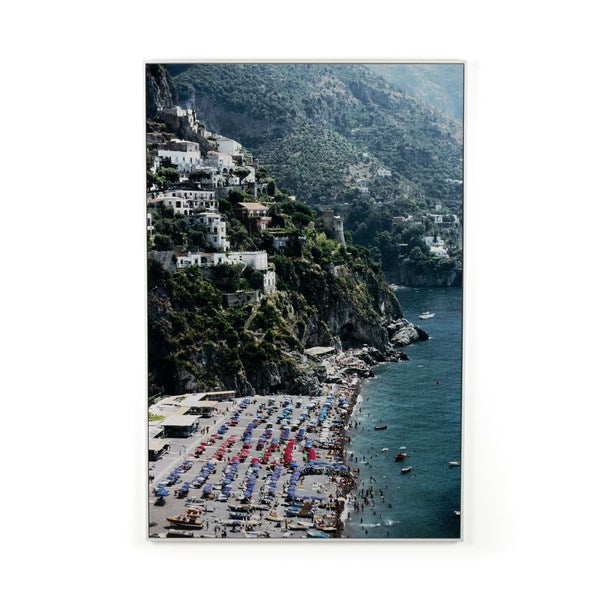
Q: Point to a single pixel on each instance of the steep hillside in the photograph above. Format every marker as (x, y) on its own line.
(328, 295)
(440, 85)
(324, 129)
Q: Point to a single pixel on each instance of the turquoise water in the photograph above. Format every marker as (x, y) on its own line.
(422, 415)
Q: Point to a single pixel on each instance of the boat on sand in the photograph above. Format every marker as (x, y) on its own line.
(298, 526)
(191, 518)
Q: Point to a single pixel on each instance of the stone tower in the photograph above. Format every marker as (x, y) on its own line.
(334, 226)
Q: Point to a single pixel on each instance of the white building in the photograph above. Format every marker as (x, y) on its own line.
(436, 246)
(439, 250)
(258, 260)
(201, 259)
(269, 282)
(215, 228)
(149, 225)
(184, 155)
(186, 202)
(229, 146)
(381, 172)
(219, 160)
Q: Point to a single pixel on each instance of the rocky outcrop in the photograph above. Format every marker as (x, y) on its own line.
(166, 258)
(402, 333)
(405, 274)
(160, 91)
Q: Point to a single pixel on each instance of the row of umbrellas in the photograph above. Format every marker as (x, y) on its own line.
(204, 474)
(272, 480)
(250, 480)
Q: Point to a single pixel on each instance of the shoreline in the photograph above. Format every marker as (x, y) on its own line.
(352, 390)
(285, 487)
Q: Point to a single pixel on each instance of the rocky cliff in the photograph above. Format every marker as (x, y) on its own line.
(410, 276)
(196, 344)
(160, 91)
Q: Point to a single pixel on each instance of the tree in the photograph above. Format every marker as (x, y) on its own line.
(170, 174)
(271, 188)
(254, 278)
(261, 173)
(199, 175)
(196, 239)
(226, 277)
(242, 172)
(235, 196)
(163, 242)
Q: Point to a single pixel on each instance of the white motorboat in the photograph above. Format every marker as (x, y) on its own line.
(426, 315)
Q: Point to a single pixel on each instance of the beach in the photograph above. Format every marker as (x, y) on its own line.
(261, 467)
(289, 466)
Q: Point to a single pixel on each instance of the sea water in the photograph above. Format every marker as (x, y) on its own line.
(420, 402)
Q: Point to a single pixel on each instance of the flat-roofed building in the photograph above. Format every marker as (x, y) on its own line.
(180, 426)
(219, 396)
(196, 405)
(156, 448)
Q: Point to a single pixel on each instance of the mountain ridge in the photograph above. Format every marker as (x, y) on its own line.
(317, 125)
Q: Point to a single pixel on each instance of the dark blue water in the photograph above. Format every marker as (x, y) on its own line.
(422, 415)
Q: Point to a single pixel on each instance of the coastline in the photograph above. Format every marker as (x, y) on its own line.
(321, 485)
(352, 391)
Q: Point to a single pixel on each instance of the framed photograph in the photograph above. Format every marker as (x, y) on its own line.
(305, 265)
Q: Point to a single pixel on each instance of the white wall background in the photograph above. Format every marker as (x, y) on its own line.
(73, 327)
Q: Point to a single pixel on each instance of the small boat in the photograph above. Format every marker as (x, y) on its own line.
(274, 517)
(401, 456)
(457, 513)
(175, 533)
(454, 463)
(406, 470)
(426, 315)
(298, 526)
(238, 515)
(317, 534)
(304, 513)
(238, 508)
(191, 518)
(238, 523)
(380, 427)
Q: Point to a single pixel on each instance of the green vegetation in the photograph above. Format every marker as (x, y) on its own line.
(194, 339)
(311, 124)
(174, 231)
(372, 225)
